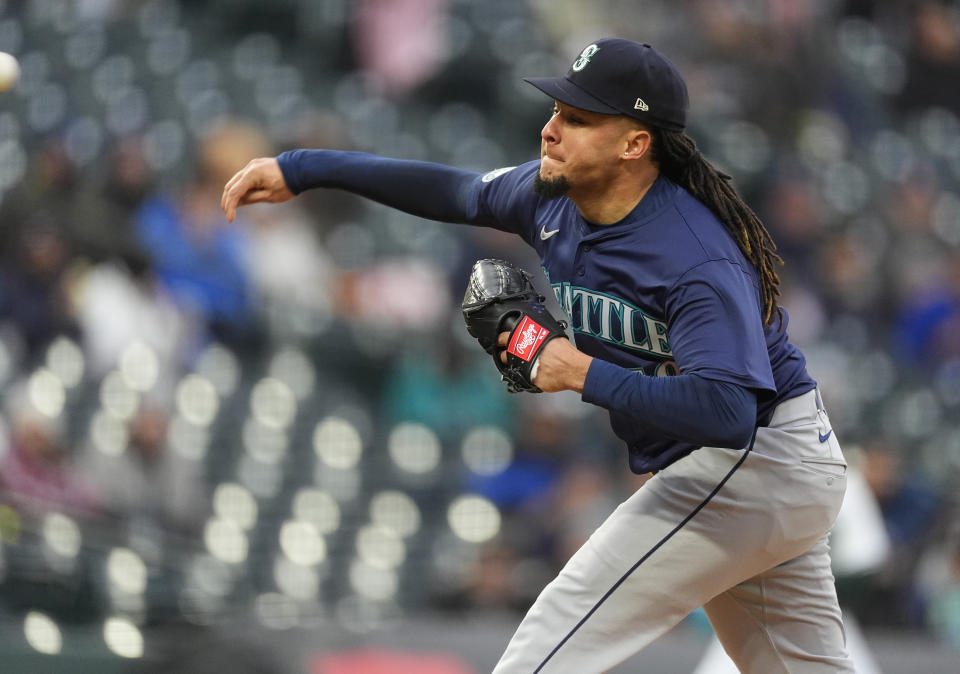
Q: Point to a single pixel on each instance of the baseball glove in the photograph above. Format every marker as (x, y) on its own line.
(500, 297)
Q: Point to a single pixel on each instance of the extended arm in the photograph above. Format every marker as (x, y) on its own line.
(425, 189)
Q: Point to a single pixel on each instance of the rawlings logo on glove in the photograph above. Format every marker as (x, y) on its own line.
(528, 333)
(500, 297)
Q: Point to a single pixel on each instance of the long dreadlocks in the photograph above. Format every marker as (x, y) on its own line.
(681, 162)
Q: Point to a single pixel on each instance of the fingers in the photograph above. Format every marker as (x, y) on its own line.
(233, 192)
(224, 200)
(245, 187)
(261, 180)
(503, 339)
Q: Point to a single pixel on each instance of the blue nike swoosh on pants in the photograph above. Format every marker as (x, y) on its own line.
(824, 438)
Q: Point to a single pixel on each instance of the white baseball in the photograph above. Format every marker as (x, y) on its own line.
(9, 70)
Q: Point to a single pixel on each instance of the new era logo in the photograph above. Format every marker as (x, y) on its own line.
(641, 105)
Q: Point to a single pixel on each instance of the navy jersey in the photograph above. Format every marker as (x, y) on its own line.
(665, 290)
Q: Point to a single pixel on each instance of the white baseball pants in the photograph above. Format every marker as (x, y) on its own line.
(742, 533)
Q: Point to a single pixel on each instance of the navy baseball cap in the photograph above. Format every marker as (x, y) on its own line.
(622, 77)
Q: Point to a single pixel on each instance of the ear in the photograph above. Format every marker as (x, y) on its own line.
(637, 144)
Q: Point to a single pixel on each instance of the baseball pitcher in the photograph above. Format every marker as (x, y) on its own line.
(669, 285)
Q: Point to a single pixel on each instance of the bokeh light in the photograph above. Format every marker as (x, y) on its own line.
(373, 582)
(337, 442)
(109, 434)
(127, 571)
(474, 518)
(123, 637)
(264, 443)
(188, 440)
(226, 540)
(296, 580)
(47, 393)
(65, 359)
(380, 547)
(292, 367)
(317, 507)
(273, 403)
(235, 503)
(42, 633)
(117, 397)
(62, 534)
(487, 450)
(139, 366)
(414, 448)
(197, 400)
(302, 543)
(395, 511)
(218, 365)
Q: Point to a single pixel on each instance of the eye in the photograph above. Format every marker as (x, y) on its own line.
(555, 110)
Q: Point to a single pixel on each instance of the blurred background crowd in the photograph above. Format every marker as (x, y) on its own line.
(281, 422)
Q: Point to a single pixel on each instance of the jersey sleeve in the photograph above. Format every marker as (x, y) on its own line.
(685, 408)
(425, 189)
(715, 328)
(504, 199)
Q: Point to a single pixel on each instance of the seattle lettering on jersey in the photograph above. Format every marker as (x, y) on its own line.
(611, 319)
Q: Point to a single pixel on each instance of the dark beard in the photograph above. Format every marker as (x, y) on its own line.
(550, 188)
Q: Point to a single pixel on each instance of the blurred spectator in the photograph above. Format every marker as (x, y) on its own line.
(543, 448)
(441, 383)
(910, 505)
(32, 291)
(38, 475)
(408, 294)
(927, 322)
(774, 80)
(199, 257)
(578, 503)
(912, 511)
(119, 303)
(147, 480)
(933, 58)
(939, 579)
(294, 278)
(846, 275)
(560, 486)
(860, 545)
(400, 43)
(129, 180)
(51, 196)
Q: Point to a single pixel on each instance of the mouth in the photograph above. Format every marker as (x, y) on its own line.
(546, 155)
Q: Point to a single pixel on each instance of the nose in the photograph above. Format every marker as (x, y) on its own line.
(549, 132)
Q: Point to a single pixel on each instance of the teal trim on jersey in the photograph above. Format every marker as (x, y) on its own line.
(610, 319)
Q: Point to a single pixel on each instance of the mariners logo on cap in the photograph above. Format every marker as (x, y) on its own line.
(584, 58)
